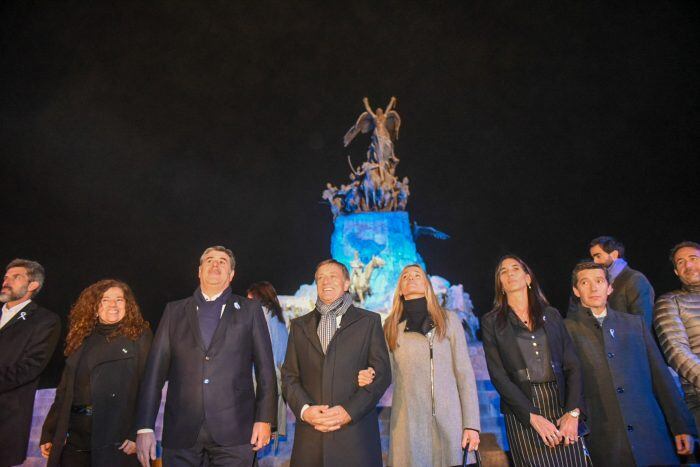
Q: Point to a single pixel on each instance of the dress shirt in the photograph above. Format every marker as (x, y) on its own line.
(9, 313)
(534, 348)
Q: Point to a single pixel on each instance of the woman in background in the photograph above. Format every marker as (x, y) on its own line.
(266, 294)
(533, 365)
(91, 421)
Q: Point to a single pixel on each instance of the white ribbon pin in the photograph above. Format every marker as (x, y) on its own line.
(125, 351)
(23, 316)
(236, 306)
(612, 333)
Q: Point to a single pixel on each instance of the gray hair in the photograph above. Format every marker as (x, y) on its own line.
(35, 271)
(223, 249)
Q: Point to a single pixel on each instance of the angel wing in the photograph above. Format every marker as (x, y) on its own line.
(364, 124)
(393, 123)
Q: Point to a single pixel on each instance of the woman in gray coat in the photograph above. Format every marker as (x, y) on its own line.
(435, 410)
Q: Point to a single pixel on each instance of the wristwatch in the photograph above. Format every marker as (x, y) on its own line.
(575, 413)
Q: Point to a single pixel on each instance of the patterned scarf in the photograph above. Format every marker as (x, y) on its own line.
(329, 314)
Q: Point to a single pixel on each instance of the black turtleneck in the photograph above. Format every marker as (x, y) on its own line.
(415, 312)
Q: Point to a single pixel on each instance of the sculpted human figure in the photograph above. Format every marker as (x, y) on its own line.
(384, 125)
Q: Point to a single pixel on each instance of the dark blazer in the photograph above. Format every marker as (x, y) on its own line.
(215, 384)
(27, 343)
(115, 373)
(632, 401)
(633, 293)
(507, 367)
(310, 377)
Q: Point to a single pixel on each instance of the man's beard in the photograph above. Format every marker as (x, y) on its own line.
(11, 296)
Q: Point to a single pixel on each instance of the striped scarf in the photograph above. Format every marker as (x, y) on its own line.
(329, 314)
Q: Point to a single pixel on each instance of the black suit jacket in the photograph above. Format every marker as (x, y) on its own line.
(27, 343)
(507, 367)
(632, 293)
(115, 373)
(310, 377)
(215, 384)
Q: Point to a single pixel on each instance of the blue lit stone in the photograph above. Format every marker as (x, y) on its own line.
(384, 234)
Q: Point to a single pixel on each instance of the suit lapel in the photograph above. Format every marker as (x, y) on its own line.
(350, 317)
(23, 315)
(310, 326)
(191, 312)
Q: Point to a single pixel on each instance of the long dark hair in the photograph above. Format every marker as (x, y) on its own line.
(536, 301)
(266, 293)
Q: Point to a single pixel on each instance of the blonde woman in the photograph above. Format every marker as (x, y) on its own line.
(435, 410)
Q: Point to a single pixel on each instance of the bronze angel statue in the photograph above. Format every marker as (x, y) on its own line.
(384, 125)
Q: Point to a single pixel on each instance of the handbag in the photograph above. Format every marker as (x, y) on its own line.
(465, 456)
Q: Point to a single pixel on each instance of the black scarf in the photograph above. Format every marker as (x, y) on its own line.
(415, 313)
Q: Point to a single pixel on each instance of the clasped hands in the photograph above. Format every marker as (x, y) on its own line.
(551, 436)
(324, 418)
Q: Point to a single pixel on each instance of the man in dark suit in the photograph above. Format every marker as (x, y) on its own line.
(206, 347)
(28, 337)
(631, 290)
(631, 400)
(336, 419)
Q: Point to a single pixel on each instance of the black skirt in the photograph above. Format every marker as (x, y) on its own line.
(526, 446)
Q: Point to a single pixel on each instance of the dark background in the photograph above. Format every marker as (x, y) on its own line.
(135, 134)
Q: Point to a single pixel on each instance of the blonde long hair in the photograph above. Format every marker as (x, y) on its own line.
(436, 312)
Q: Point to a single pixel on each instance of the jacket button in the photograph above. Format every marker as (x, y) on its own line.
(630, 428)
(620, 390)
(207, 358)
(206, 381)
(611, 355)
(114, 395)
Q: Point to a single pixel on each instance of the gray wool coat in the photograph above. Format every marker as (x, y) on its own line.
(418, 438)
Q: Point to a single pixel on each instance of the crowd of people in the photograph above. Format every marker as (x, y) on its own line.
(590, 387)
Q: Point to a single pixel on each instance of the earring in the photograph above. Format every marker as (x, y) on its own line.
(529, 286)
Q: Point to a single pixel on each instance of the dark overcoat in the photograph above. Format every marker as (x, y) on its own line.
(27, 343)
(213, 383)
(508, 370)
(310, 377)
(633, 405)
(633, 293)
(115, 374)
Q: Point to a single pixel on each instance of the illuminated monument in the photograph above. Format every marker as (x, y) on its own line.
(372, 234)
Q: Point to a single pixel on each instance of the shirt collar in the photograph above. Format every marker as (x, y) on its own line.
(213, 297)
(15, 309)
(616, 268)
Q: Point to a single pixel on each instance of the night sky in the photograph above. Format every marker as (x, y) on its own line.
(134, 135)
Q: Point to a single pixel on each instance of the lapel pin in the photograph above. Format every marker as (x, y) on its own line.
(612, 333)
(23, 316)
(125, 351)
(544, 318)
(236, 306)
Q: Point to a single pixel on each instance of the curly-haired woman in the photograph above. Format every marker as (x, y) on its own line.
(91, 419)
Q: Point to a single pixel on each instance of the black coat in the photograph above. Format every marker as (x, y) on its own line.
(632, 400)
(214, 383)
(27, 343)
(310, 377)
(115, 373)
(507, 367)
(633, 293)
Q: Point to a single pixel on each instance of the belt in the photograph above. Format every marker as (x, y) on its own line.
(81, 409)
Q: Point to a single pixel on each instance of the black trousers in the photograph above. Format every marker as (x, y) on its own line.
(206, 452)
